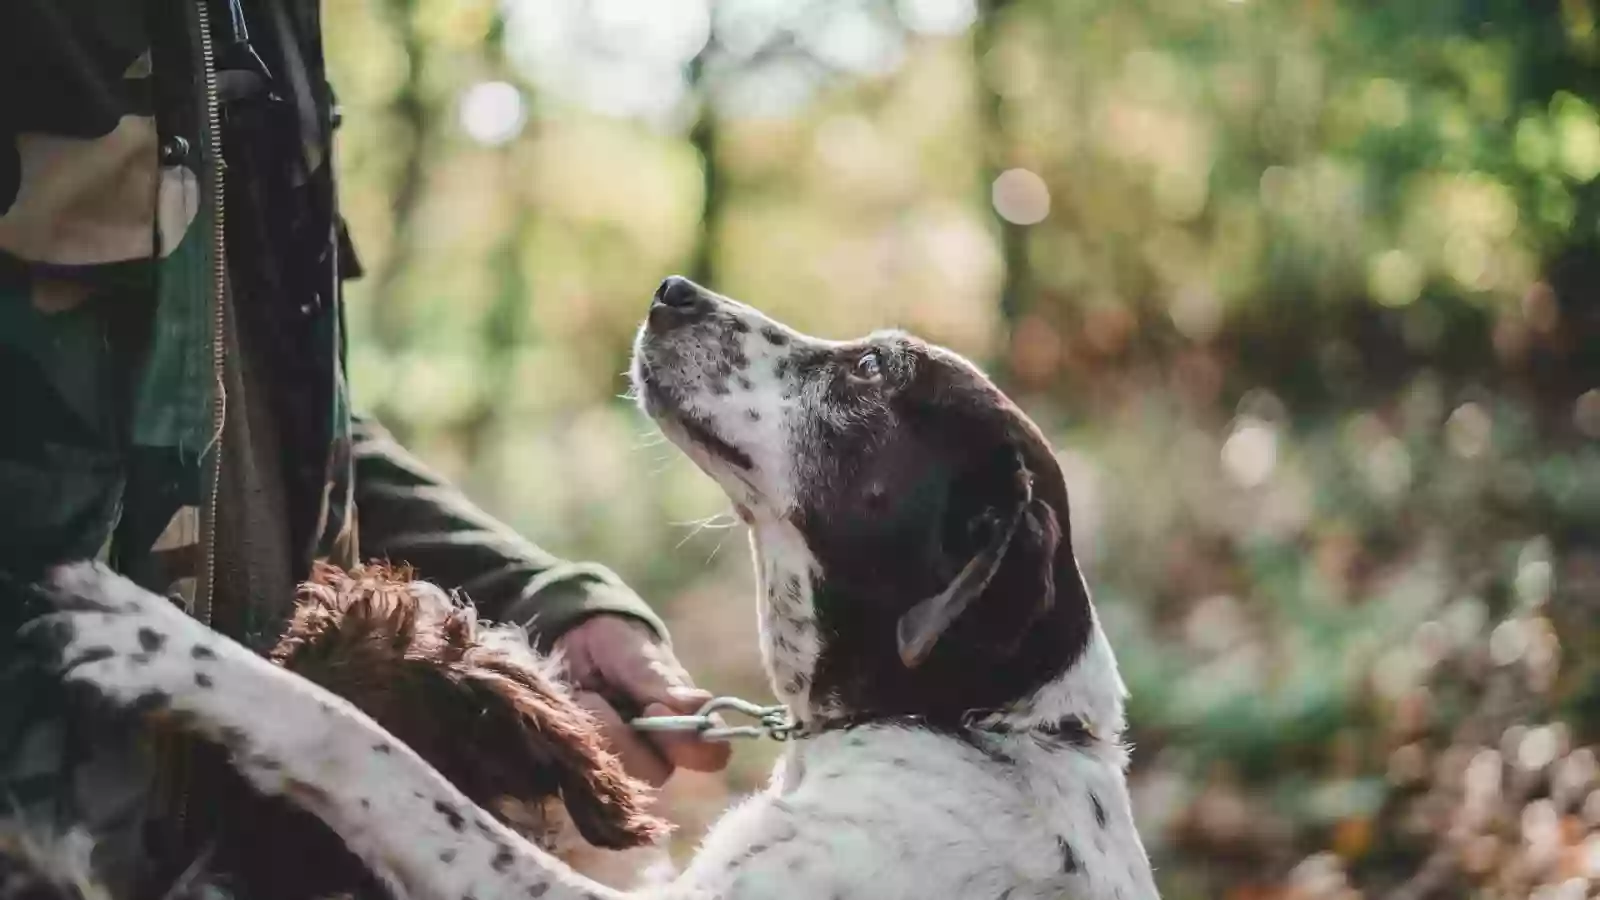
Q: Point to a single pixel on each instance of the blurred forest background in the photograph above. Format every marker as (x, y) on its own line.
(1307, 292)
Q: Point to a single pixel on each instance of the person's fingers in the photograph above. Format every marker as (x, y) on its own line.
(650, 673)
(639, 757)
(622, 659)
(663, 688)
(684, 750)
(607, 651)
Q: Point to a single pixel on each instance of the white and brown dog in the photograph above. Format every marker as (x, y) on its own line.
(922, 615)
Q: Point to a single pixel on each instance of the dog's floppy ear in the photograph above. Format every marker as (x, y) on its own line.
(1008, 539)
(473, 701)
(544, 728)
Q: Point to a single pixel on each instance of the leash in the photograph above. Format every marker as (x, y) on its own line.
(772, 721)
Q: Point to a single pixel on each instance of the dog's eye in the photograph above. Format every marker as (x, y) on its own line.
(868, 367)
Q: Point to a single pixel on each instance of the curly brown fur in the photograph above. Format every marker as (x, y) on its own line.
(473, 700)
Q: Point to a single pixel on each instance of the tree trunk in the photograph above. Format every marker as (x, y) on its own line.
(703, 137)
(1017, 279)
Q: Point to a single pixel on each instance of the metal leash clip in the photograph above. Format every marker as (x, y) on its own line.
(774, 721)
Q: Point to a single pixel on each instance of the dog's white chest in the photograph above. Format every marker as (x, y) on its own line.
(888, 813)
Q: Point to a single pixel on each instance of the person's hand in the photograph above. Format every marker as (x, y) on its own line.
(620, 657)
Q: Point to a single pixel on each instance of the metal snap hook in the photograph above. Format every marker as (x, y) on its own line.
(773, 721)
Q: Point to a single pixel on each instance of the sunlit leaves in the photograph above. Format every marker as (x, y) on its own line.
(1308, 584)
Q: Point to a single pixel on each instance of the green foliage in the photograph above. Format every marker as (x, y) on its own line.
(1311, 312)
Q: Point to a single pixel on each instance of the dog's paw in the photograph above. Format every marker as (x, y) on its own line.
(133, 646)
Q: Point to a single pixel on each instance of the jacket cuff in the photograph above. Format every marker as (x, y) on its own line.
(553, 603)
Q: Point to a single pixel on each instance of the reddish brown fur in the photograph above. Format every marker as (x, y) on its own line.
(476, 704)
(489, 719)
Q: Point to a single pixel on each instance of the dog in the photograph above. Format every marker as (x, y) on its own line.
(472, 699)
(958, 709)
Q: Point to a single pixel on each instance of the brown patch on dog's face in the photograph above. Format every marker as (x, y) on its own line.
(476, 704)
(936, 504)
(937, 574)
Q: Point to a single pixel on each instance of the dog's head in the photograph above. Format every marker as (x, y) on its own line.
(910, 521)
(474, 701)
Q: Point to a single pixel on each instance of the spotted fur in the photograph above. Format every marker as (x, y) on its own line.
(979, 758)
(471, 698)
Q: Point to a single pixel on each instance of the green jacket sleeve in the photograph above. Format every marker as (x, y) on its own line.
(408, 514)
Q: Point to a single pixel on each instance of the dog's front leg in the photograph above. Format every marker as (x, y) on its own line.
(292, 738)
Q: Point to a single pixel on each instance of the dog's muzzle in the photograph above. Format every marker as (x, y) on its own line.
(678, 301)
(663, 375)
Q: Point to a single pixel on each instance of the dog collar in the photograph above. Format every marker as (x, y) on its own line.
(1070, 729)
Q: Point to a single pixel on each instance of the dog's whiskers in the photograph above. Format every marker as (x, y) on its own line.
(716, 549)
(711, 521)
(727, 521)
(649, 439)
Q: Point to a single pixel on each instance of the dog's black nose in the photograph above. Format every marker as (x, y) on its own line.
(677, 292)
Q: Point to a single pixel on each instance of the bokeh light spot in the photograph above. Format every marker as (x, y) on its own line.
(493, 112)
(1482, 782)
(1388, 467)
(1538, 748)
(1578, 133)
(1535, 574)
(1508, 642)
(1251, 452)
(853, 39)
(1394, 278)
(1196, 311)
(938, 17)
(1586, 413)
(1468, 430)
(1591, 856)
(1591, 813)
(1021, 197)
